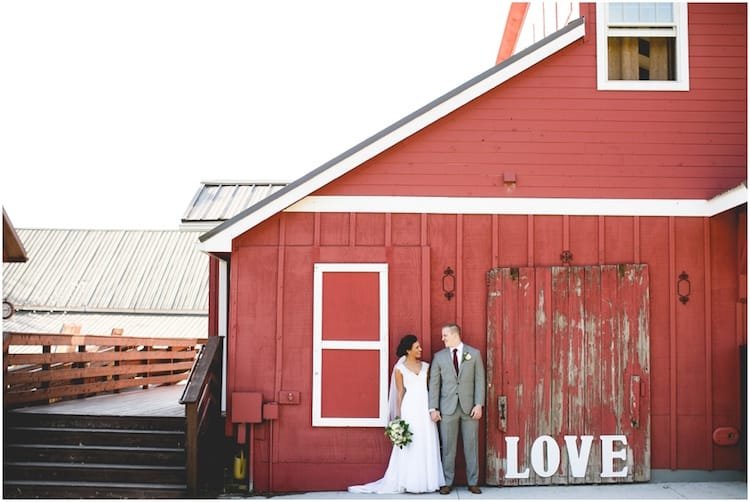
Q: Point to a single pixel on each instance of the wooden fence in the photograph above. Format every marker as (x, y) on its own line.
(44, 368)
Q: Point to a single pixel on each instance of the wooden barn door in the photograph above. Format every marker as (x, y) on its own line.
(568, 375)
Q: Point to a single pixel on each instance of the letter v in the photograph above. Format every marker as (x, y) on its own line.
(579, 460)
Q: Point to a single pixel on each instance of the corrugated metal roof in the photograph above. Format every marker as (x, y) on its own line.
(142, 325)
(126, 271)
(216, 201)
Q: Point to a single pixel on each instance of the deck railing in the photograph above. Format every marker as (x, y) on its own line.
(202, 400)
(44, 368)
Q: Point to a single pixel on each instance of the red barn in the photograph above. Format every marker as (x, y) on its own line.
(579, 209)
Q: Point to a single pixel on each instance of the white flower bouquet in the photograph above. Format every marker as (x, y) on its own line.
(398, 432)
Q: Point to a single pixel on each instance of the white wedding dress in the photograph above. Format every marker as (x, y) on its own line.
(415, 468)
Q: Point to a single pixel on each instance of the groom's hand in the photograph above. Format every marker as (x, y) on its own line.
(476, 412)
(435, 415)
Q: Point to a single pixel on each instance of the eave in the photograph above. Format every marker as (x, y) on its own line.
(13, 250)
(219, 239)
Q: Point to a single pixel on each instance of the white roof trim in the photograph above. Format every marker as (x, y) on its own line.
(528, 205)
(220, 239)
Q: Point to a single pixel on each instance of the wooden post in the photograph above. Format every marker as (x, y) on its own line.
(81, 381)
(191, 447)
(45, 367)
(118, 348)
(146, 348)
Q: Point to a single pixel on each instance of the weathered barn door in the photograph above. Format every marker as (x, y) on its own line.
(568, 375)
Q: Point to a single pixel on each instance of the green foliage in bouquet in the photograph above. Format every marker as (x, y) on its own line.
(398, 432)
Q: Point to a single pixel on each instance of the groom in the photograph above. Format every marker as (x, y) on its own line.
(456, 401)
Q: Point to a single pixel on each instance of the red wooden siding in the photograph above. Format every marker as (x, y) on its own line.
(563, 138)
(694, 347)
(559, 137)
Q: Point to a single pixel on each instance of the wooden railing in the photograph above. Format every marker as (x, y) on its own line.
(44, 368)
(202, 400)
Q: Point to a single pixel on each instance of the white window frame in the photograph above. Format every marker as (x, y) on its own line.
(604, 30)
(319, 345)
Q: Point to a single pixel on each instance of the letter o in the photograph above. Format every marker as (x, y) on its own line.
(537, 456)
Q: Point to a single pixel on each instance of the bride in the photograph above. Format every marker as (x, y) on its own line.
(415, 468)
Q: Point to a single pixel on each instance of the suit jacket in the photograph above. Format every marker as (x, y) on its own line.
(447, 391)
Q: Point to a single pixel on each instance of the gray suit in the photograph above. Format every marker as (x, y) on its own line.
(454, 396)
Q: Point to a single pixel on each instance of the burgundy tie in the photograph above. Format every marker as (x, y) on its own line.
(455, 360)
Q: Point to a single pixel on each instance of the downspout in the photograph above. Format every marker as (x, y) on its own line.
(223, 317)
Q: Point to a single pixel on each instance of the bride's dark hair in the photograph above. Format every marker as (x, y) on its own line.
(405, 344)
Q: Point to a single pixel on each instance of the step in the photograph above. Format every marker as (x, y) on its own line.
(110, 473)
(81, 454)
(91, 437)
(78, 490)
(94, 421)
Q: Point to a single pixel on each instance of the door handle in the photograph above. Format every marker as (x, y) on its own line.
(635, 401)
(502, 405)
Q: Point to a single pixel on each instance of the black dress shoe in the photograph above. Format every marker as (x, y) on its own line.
(445, 490)
(475, 489)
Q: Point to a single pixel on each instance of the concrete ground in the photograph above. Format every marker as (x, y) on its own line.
(716, 490)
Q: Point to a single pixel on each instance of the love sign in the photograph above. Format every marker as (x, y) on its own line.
(545, 456)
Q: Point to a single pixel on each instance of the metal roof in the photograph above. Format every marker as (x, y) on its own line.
(116, 271)
(216, 201)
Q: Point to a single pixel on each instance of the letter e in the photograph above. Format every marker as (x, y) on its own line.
(609, 456)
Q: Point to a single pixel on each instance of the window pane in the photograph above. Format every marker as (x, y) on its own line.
(640, 12)
(630, 13)
(641, 58)
(615, 12)
(647, 12)
(664, 13)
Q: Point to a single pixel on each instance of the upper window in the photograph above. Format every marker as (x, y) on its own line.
(642, 46)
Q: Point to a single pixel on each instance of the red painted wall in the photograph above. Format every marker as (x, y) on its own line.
(694, 347)
(560, 137)
(563, 138)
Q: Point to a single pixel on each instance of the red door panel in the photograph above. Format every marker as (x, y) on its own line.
(568, 372)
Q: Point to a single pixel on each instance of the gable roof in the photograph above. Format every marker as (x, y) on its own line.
(219, 239)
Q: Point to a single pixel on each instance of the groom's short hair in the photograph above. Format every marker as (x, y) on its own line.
(453, 327)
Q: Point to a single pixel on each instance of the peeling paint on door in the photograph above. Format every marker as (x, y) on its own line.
(576, 338)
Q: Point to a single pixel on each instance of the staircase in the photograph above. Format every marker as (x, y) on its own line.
(81, 456)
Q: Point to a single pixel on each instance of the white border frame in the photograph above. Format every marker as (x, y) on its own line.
(523, 206)
(682, 65)
(319, 345)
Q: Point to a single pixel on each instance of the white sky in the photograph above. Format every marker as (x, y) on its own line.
(113, 112)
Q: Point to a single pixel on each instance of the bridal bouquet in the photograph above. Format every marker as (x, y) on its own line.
(398, 432)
